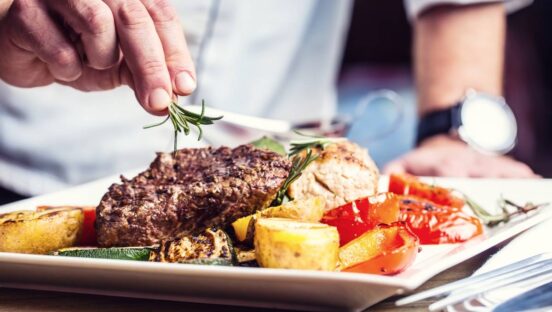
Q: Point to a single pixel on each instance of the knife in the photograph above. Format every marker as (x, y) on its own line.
(536, 298)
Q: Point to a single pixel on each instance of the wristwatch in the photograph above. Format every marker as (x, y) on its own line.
(484, 122)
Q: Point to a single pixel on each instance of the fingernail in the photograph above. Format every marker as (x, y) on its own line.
(185, 83)
(159, 99)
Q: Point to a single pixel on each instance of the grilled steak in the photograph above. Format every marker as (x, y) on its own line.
(188, 192)
(343, 172)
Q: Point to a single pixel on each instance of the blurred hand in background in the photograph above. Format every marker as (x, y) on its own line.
(447, 157)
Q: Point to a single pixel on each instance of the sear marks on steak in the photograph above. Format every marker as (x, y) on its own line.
(343, 172)
(187, 192)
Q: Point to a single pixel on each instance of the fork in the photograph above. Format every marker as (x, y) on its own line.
(339, 124)
(336, 126)
(535, 267)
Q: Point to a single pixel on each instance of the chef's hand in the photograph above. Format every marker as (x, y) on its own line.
(98, 45)
(445, 156)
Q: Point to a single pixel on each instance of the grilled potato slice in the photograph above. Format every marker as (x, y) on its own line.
(290, 244)
(40, 232)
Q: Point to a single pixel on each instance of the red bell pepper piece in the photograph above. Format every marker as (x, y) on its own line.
(403, 184)
(436, 224)
(386, 249)
(355, 218)
(88, 235)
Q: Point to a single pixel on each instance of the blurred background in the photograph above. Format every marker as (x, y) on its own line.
(378, 56)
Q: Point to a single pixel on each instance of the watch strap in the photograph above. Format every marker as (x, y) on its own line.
(438, 122)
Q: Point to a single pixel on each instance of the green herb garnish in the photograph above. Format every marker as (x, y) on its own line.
(182, 119)
(505, 205)
(269, 144)
(297, 147)
(298, 165)
(301, 160)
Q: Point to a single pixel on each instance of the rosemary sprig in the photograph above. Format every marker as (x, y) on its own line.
(296, 147)
(301, 160)
(503, 217)
(183, 119)
(298, 165)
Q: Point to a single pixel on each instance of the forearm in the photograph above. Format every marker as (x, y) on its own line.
(457, 48)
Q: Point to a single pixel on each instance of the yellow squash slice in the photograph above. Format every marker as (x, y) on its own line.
(40, 232)
(290, 244)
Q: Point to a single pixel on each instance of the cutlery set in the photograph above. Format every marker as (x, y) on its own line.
(534, 273)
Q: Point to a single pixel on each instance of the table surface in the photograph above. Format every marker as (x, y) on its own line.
(15, 300)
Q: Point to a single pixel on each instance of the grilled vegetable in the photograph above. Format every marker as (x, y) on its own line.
(290, 244)
(355, 218)
(40, 232)
(245, 255)
(404, 184)
(88, 234)
(386, 249)
(244, 228)
(203, 248)
(115, 253)
(437, 224)
(310, 209)
(209, 261)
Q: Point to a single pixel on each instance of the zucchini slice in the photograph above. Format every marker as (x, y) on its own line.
(206, 261)
(246, 257)
(115, 253)
(210, 245)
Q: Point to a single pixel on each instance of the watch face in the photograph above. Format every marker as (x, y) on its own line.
(488, 124)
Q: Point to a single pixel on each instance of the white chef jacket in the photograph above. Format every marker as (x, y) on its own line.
(271, 58)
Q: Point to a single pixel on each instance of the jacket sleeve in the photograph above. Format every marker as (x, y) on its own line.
(415, 7)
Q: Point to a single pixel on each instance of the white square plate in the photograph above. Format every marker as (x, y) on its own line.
(293, 289)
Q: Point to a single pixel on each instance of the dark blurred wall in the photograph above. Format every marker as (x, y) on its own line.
(380, 35)
(531, 42)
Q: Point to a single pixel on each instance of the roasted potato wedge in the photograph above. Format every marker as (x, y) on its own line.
(310, 209)
(40, 232)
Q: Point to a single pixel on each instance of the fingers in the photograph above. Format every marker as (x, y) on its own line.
(156, 63)
(458, 161)
(515, 169)
(177, 56)
(30, 28)
(20, 67)
(93, 22)
(143, 53)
